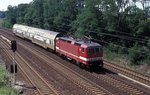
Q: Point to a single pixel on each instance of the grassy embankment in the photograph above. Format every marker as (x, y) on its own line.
(5, 88)
(1, 21)
(123, 60)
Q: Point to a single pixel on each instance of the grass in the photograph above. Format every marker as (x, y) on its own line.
(5, 88)
(123, 60)
(116, 58)
(8, 91)
(1, 21)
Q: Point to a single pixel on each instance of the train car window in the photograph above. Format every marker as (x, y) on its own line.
(82, 50)
(98, 49)
(49, 41)
(44, 41)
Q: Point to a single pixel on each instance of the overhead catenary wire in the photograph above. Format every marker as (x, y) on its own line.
(127, 33)
(61, 28)
(143, 41)
(147, 37)
(131, 38)
(126, 38)
(123, 36)
(114, 44)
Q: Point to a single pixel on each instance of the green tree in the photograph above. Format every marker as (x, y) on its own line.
(10, 16)
(50, 11)
(89, 19)
(28, 18)
(21, 11)
(67, 13)
(37, 6)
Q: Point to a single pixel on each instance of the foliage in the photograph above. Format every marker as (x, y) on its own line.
(3, 77)
(2, 14)
(1, 22)
(67, 14)
(6, 24)
(89, 19)
(108, 54)
(5, 89)
(138, 54)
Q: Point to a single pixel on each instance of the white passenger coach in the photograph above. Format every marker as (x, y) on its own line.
(44, 38)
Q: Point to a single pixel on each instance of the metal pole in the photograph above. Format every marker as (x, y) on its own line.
(14, 69)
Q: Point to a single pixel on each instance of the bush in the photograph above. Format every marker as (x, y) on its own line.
(3, 77)
(5, 89)
(138, 54)
(7, 24)
(113, 48)
(108, 54)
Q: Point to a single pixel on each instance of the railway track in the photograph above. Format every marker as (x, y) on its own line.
(76, 78)
(121, 85)
(143, 79)
(42, 86)
(83, 83)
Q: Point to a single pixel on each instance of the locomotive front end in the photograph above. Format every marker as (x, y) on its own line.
(91, 54)
(94, 56)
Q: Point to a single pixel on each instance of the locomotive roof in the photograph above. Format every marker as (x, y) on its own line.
(83, 43)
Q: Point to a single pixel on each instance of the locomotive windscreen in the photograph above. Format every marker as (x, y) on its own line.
(93, 50)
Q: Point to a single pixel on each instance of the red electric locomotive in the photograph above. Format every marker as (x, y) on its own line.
(85, 53)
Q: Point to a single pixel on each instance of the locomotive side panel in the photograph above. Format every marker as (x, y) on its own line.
(67, 48)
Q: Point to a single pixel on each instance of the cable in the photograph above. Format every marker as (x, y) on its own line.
(122, 37)
(114, 31)
(144, 41)
(125, 37)
(113, 44)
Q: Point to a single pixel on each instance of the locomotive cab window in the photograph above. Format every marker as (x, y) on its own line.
(82, 50)
(90, 50)
(98, 49)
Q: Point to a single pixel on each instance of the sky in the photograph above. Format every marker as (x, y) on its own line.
(4, 3)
